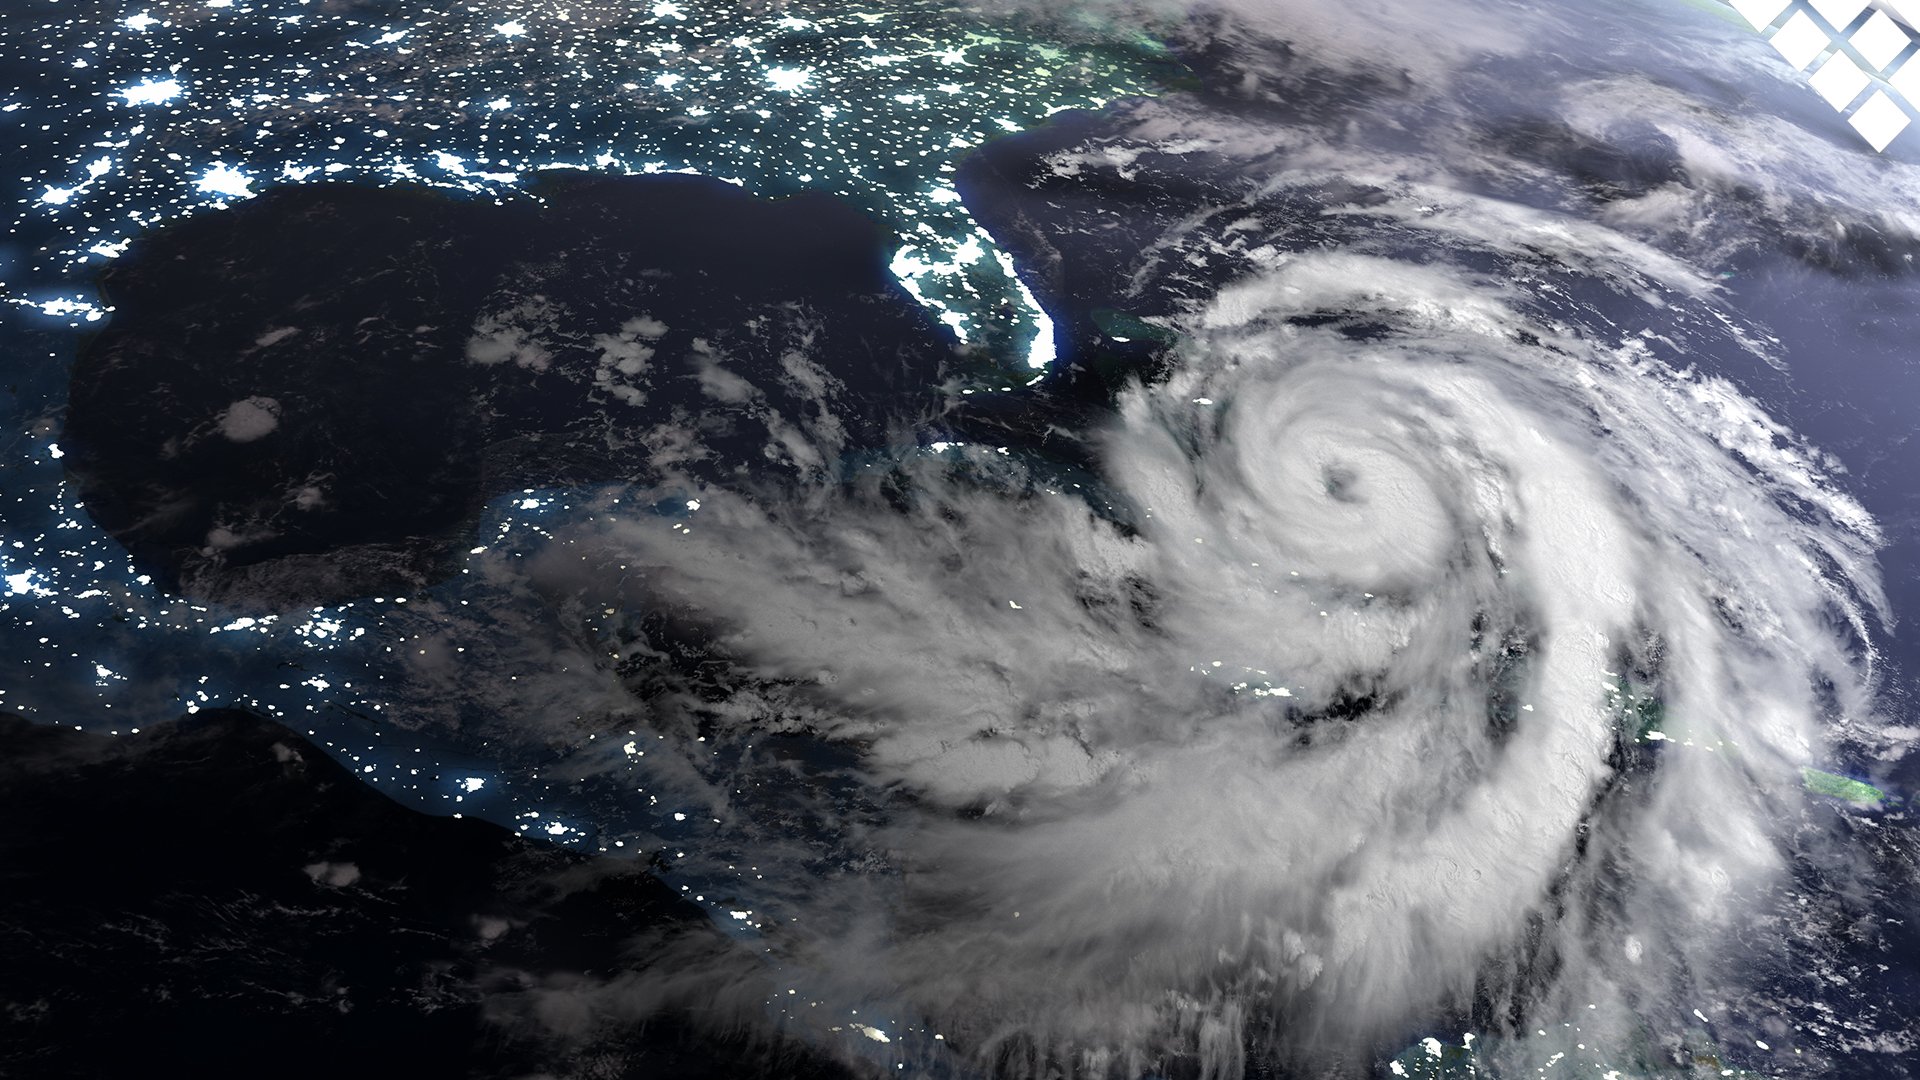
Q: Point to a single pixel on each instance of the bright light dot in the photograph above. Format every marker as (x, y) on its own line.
(224, 179)
(152, 91)
(1040, 352)
(140, 22)
(57, 196)
(669, 80)
(64, 306)
(498, 103)
(510, 29)
(666, 9)
(788, 80)
(473, 783)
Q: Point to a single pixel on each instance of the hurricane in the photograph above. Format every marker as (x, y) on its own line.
(1437, 635)
(1399, 629)
(1413, 646)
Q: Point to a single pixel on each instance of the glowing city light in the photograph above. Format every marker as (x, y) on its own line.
(151, 92)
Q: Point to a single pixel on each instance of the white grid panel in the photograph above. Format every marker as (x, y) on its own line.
(1879, 41)
(1869, 59)
(1839, 81)
(1879, 120)
(1839, 14)
(1761, 13)
(1907, 11)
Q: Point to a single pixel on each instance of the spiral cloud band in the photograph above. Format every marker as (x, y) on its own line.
(1417, 651)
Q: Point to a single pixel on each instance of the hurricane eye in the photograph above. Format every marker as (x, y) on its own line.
(1342, 484)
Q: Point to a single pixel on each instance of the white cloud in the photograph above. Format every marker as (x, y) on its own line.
(250, 419)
